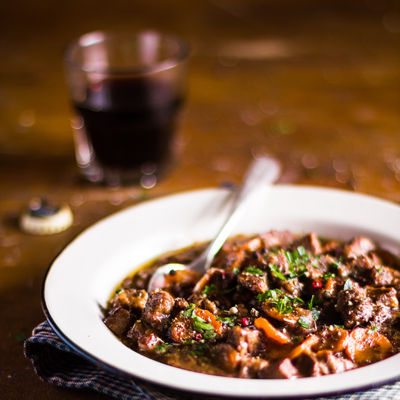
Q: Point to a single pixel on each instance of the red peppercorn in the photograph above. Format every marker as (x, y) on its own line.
(317, 284)
(244, 322)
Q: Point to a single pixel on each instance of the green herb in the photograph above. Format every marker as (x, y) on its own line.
(297, 261)
(189, 311)
(236, 271)
(119, 291)
(301, 251)
(283, 303)
(276, 272)
(336, 264)
(203, 327)
(313, 301)
(198, 350)
(254, 271)
(328, 275)
(209, 289)
(227, 321)
(373, 329)
(315, 314)
(163, 347)
(304, 322)
(339, 326)
(198, 323)
(348, 285)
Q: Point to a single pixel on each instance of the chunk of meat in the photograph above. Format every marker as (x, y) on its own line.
(158, 309)
(217, 277)
(334, 363)
(119, 320)
(179, 305)
(292, 287)
(322, 363)
(225, 357)
(276, 238)
(384, 296)
(308, 365)
(365, 347)
(249, 367)
(181, 330)
(310, 242)
(279, 370)
(149, 342)
(256, 283)
(131, 299)
(355, 307)
(245, 341)
(201, 301)
(358, 246)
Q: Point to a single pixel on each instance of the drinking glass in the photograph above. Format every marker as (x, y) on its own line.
(127, 91)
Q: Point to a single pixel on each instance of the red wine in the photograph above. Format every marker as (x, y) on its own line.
(130, 122)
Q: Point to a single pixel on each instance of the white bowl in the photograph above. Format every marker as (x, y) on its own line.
(85, 274)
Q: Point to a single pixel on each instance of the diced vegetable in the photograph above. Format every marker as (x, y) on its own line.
(365, 348)
(271, 332)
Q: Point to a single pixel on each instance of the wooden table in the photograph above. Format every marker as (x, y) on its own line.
(314, 83)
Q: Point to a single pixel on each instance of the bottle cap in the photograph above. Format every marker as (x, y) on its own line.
(44, 218)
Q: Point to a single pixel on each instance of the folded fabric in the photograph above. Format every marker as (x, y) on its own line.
(55, 362)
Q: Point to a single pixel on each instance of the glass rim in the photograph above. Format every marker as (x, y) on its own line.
(180, 55)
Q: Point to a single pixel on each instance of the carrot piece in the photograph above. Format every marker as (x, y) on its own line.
(275, 314)
(330, 284)
(210, 319)
(306, 345)
(364, 348)
(271, 332)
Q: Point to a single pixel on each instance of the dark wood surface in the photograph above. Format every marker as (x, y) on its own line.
(315, 83)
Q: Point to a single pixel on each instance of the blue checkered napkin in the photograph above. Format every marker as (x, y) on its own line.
(56, 363)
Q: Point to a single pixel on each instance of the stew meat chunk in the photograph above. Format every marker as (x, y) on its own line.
(273, 306)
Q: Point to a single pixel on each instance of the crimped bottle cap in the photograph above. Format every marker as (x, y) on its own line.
(43, 218)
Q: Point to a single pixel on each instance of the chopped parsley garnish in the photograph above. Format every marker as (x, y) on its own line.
(304, 322)
(313, 301)
(373, 329)
(274, 269)
(198, 350)
(254, 271)
(201, 326)
(283, 303)
(189, 311)
(315, 314)
(227, 321)
(209, 289)
(163, 347)
(328, 275)
(119, 291)
(336, 264)
(297, 261)
(348, 285)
